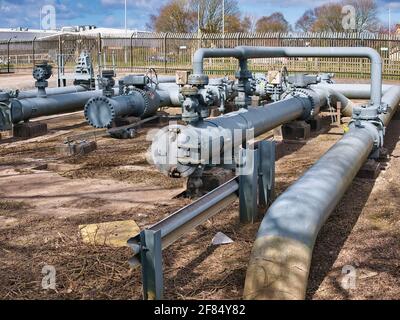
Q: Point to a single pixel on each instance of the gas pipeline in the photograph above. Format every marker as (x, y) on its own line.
(141, 97)
(176, 152)
(281, 256)
(17, 106)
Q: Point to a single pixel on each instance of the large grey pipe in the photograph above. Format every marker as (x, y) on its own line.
(243, 53)
(221, 130)
(334, 97)
(166, 79)
(101, 112)
(281, 256)
(352, 90)
(25, 109)
(51, 91)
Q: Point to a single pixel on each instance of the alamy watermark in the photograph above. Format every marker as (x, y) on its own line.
(176, 145)
(349, 277)
(49, 277)
(48, 17)
(349, 17)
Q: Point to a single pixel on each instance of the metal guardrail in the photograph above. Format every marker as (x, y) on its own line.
(255, 188)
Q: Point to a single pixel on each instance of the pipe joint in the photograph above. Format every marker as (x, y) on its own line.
(309, 100)
(198, 79)
(375, 128)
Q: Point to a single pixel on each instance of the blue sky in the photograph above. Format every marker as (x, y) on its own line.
(110, 13)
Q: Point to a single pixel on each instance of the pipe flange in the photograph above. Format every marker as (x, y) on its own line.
(99, 112)
(375, 127)
(304, 93)
(145, 96)
(365, 113)
(198, 79)
(189, 91)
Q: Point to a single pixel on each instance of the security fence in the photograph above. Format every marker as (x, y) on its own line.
(170, 52)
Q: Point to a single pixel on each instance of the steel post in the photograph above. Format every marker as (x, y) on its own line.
(151, 259)
(256, 179)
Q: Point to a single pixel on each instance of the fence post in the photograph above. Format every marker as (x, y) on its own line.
(200, 40)
(60, 66)
(99, 44)
(132, 52)
(8, 55)
(238, 39)
(33, 52)
(165, 52)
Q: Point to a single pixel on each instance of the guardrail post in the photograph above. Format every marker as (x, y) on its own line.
(256, 179)
(266, 182)
(151, 259)
(248, 185)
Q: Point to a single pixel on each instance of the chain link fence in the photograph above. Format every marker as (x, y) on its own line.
(170, 52)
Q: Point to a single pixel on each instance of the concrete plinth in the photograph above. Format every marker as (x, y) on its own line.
(77, 148)
(396, 116)
(279, 149)
(315, 124)
(296, 130)
(120, 122)
(370, 170)
(215, 177)
(29, 130)
(5, 134)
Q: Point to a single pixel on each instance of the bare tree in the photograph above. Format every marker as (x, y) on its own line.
(249, 23)
(306, 21)
(210, 13)
(366, 15)
(175, 16)
(276, 22)
(328, 18)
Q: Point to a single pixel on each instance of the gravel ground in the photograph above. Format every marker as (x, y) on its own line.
(362, 232)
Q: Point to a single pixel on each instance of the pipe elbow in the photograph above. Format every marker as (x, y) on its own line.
(373, 55)
(199, 55)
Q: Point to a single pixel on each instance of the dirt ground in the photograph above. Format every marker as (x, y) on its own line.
(45, 196)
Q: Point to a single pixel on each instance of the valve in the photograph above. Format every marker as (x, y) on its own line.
(107, 82)
(244, 88)
(41, 73)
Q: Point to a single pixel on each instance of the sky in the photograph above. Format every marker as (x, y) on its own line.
(110, 13)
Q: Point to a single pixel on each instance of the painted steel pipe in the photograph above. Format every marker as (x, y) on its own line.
(101, 112)
(346, 104)
(25, 109)
(51, 91)
(243, 53)
(281, 256)
(352, 90)
(166, 79)
(176, 151)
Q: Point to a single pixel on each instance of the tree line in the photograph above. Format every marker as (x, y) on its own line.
(187, 16)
